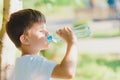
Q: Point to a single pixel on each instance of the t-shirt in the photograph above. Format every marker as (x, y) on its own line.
(33, 67)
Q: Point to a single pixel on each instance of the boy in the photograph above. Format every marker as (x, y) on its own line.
(27, 29)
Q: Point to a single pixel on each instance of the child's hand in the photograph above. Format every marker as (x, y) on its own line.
(66, 69)
(67, 34)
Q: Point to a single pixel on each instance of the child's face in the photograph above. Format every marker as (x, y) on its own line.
(37, 36)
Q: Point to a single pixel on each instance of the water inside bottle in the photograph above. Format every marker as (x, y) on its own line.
(81, 31)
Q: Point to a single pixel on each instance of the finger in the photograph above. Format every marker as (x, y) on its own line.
(59, 31)
(69, 29)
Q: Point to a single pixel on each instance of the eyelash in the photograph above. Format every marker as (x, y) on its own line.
(41, 31)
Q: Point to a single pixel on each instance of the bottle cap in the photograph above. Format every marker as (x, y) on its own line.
(51, 39)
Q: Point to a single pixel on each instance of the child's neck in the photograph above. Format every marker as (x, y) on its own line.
(29, 51)
(23, 54)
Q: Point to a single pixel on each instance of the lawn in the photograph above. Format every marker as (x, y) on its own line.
(90, 66)
(98, 67)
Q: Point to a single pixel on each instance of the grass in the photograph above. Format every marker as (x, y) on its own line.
(106, 35)
(98, 67)
(91, 66)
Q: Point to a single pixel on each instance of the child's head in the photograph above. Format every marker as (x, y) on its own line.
(20, 22)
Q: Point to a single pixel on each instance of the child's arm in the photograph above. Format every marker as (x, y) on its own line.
(66, 69)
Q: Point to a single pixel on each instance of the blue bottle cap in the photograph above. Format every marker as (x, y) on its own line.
(51, 39)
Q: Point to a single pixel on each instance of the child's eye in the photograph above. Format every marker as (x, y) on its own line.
(41, 31)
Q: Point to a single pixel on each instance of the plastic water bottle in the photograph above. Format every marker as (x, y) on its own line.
(81, 31)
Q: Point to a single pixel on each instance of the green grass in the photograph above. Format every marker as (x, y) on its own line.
(90, 66)
(98, 67)
(105, 35)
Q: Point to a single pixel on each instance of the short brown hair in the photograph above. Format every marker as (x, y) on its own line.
(20, 21)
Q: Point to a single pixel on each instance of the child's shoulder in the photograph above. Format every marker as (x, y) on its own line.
(30, 59)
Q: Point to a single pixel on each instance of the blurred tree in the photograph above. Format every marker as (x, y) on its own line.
(38, 4)
(9, 6)
(2, 31)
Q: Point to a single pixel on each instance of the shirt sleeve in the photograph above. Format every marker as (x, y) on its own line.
(44, 69)
(48, 67)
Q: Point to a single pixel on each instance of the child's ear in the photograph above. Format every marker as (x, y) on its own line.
(24, 40)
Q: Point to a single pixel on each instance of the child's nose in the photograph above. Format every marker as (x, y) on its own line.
(46, 33)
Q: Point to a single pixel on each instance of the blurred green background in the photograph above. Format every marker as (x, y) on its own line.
(99, 54)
